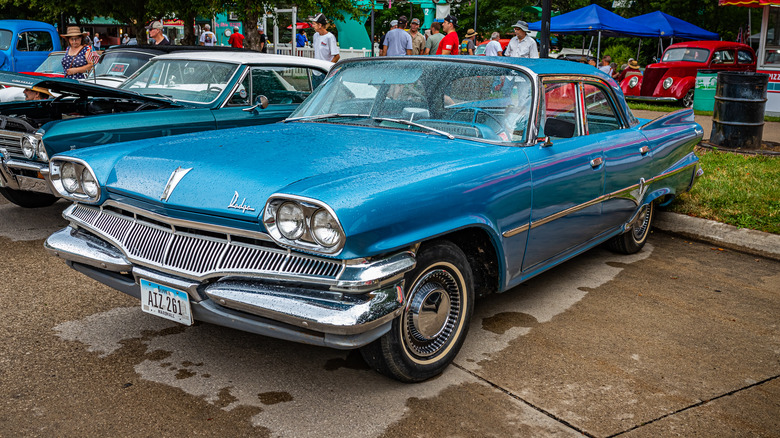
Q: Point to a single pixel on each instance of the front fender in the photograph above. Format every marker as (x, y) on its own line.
(682, 85)
(629, 91)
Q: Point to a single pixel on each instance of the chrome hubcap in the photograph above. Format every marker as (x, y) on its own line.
(432, 313)
(641, 223)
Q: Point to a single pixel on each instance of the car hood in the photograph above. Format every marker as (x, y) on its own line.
(341, 166)
(72, 87)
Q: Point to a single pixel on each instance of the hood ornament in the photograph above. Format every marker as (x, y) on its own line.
(176, 176)
(242, 206)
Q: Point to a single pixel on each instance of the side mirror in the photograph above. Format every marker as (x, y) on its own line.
(261, 101)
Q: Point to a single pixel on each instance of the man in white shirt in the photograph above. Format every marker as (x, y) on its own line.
(493, 48)
(397, 41)
(207, 38)
(522, 45)
(323, 42)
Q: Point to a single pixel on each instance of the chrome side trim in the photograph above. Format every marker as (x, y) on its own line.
(652, 99)
(634, 192)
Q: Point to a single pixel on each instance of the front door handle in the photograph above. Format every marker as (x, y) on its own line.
(596, 162)
(644, 150)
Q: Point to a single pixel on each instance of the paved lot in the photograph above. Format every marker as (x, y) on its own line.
(681, 339)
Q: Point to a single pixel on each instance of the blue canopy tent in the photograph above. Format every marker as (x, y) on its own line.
(670, 27)
(595, 20)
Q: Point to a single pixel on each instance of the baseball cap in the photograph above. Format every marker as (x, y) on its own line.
(403, 19)
(415, 21)
(393, 22)
(154, 25)
(452, 20)
(320, 18)
(522, 25)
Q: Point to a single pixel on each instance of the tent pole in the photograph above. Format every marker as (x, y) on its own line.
(638, 49)
(598, 49)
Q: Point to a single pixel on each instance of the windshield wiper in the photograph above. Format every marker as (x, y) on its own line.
(328, 116)
(415, 124)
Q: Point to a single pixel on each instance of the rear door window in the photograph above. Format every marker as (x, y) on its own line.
(745, 57)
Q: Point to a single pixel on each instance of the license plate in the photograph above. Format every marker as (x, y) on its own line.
(165, 302)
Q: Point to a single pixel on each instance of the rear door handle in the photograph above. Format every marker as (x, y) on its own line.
(644, 150)
(596, 162)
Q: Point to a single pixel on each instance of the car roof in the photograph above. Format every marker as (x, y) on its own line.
(709, 45)
(248, 57)
(16, 24)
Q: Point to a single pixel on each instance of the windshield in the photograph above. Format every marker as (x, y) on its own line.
(5, 39)
(182, 79)
(449, 97)
(120, 64)
(52, 64)
(686, 54)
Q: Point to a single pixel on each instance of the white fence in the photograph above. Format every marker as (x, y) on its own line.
(308, 52)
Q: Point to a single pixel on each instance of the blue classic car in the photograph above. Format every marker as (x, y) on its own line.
(399, 191)
(173, 94)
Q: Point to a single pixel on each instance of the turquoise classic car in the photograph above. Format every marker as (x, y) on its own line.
(173, 94)
(399, 191)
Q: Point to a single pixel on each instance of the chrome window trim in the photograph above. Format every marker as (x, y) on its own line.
(625, 193)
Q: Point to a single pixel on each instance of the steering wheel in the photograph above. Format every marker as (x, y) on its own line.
(476, 111)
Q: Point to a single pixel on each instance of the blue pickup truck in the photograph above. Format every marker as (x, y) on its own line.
(25, 44)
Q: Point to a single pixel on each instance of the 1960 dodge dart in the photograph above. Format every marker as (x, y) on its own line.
(399, 191)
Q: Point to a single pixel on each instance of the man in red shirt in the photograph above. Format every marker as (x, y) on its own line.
(450, 43)
(236, 39)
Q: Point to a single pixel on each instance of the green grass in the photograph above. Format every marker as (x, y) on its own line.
(667, 108)
(739, 190)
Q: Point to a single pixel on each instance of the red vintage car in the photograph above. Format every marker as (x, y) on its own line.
(673, 79)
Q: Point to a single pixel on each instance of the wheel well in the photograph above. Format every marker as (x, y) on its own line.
(482, 257)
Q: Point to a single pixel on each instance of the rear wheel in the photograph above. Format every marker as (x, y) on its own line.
(28, 199)
(634, 239)
(425, 339)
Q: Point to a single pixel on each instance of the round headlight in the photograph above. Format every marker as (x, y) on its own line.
(668, 83)
(42, 155)
(633, 81)
(290, 220)
(69, 178)
(325, 229)
(29, 144)
(88, 183)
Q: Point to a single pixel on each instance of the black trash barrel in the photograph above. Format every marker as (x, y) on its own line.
(738, 117)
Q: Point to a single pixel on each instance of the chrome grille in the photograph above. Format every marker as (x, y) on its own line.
(11, 141)
(154, 243)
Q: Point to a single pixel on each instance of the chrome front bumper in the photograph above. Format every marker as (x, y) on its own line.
(12, 177)
(289, 310)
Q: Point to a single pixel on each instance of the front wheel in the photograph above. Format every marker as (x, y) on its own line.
(634, 239)
(425, 339)
(28, 199)
(687, 100)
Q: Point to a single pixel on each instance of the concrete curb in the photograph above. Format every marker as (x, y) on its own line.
(726, 236)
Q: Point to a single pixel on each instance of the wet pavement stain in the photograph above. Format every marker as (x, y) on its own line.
(353, 361)
(501, 322)
(225, 398)
(274, 397)
(184, 374)
(157, 355)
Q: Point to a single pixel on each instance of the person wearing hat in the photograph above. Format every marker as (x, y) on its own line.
(323, 42)
(36, 93)
(449, 44)
(418, 40)
(398, 42)
(468, 45)
(77, 61)
(631, 70)
(382, 46)
(155, 29)
(432, 45)
(522, 45)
